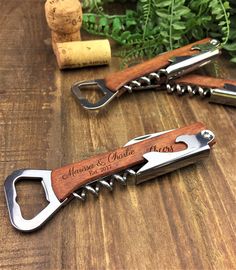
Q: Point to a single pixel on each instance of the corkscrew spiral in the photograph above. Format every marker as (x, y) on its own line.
(95, 187)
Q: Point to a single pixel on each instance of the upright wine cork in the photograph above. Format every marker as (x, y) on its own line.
(64, 17)
(83, 53)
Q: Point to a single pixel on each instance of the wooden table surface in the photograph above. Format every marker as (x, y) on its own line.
(184, 220)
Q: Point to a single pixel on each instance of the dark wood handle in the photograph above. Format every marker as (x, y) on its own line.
(204, 81)
(116, 80)
(67, 179)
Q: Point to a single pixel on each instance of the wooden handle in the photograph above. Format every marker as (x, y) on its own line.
(204, 81)
(116, 80)
(67, 179)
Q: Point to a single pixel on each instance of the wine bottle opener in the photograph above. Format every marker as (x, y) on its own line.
(218, 90)
(150, 74)
(143, 158)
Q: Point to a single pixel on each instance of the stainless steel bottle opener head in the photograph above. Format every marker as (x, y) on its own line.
(16, 218)
(107, 94)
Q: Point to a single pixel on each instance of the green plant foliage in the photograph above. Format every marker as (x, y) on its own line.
(155, 26)
(230, 46)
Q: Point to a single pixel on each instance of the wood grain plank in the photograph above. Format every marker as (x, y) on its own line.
(182, 220)
(27, 115)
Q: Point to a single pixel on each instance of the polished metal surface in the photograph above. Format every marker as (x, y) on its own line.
(214, 43)
(192, 90)
(185, 64)
(15, 214)
(149, 81)
(107, 182)
(226, 96)
(108, 95)
(145, 137)
(161, 163)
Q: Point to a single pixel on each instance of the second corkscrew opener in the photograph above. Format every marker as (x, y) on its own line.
(151, 74)
(143, 158)
(217, 90)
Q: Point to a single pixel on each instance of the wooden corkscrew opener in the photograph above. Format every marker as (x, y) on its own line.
(143, 158)
(221, 91)
(150, 74)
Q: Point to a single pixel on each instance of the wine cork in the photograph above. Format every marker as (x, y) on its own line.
(83, 53)
(59, 38)
(64, 18)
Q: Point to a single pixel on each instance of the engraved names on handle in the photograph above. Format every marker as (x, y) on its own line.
(104, 164)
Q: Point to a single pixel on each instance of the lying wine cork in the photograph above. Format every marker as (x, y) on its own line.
(64, 18)
(83, 53)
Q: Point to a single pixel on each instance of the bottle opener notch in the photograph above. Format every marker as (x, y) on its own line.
(159, 163)
(16, 218)
(106, 98)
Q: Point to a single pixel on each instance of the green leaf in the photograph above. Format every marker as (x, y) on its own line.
(165, 3)
(219, 16)
(226, 5)
(158, 25)
(222, 23)
(125, 35)
(183, 11)
(179, 26)
(233, 60)
(103, 21)
(232, 34)
(116, 26)
(130, 22)
(106, 29)
(230, 47)
(85, 18)
(92, 19)
(162, 13)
